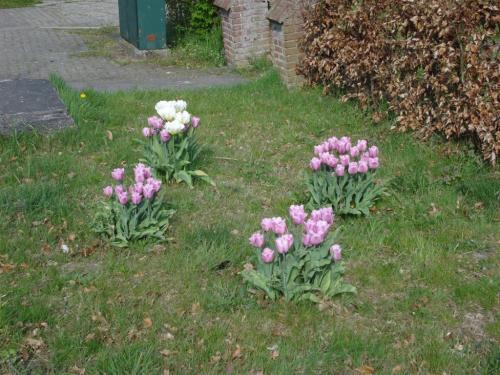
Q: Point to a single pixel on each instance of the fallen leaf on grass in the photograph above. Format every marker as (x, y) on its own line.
(273, 351)
(148, 322)
(77, 370)
(396, 369)
(433, 211)
(215, 358)
(6, 267)
(195, 308)
(365, 370)
(109, 135)
(236, 353)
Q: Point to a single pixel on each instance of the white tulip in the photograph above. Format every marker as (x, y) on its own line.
(165, 110)
(174, 127)
(180, 105)
(183, 117)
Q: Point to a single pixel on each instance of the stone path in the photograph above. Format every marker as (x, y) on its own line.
(37, 41)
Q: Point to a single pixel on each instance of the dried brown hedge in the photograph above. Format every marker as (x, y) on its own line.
(435, 61)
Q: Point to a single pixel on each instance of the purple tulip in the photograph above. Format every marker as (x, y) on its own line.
(119, 189)
(123, 198)
(336, 252)
(324, 157)
(373, 163)
(373, 152)
(284, 243)
(344, 160)
(155, 122)
(297, 214)
(148, 190)
(315, 164)
(279, 225)
(195, 121)
(257, 240)
(353, 168)
(332, 161)
(354, 152)
(164, 135)
(362, 145)
(147, 132)
(266, 224)
(267, 255)
(339, 170)
(333, 143)
(136, 197)
(118, 174)
(108, 191)
(362, 166)
(318, 150)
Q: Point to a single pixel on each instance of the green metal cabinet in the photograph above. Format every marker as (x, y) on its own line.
(143, 23)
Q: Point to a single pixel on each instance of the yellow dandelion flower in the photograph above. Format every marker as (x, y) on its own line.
(83, 95)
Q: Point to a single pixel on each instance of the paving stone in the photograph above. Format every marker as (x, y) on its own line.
(31, 104)
(38, 41)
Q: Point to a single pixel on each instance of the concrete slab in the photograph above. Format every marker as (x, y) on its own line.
(31, 104)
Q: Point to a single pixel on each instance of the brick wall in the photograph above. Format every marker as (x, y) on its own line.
(286, 32)
(249, 33)
(246, 31)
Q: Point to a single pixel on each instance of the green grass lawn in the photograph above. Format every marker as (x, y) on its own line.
(17, 3)
(425, 263)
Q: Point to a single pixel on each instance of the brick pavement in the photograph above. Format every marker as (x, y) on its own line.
(37, 41)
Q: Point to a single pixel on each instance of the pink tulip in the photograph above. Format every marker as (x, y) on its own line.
(332, 161)
(373, 152)
(136, 197)
(147, 172)
(373, 163)
(315, 164)
(306, 240)
(164, 135)
(362, 166)
(324, 157)
(362, 145)
(118, 174)
(156, 185)
(333, 142)
(119, 189)
(284, 243)
(138, 186)
(266, 224)
(354, 152)
(353, 168)
(336, 252)
(147, 132)
(267, 255)
(325, 214)
(344, 160)
(123, 198)
(297, 214)
(318, 150)
(257, 240)
(155, 122)
(148, 190)
(108, 191)
(195, 121)
(339, 170)
(279, 225)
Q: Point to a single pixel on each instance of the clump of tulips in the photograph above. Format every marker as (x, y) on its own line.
(133, 212)
(299, 260)
(342, 176)
(170, 146)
